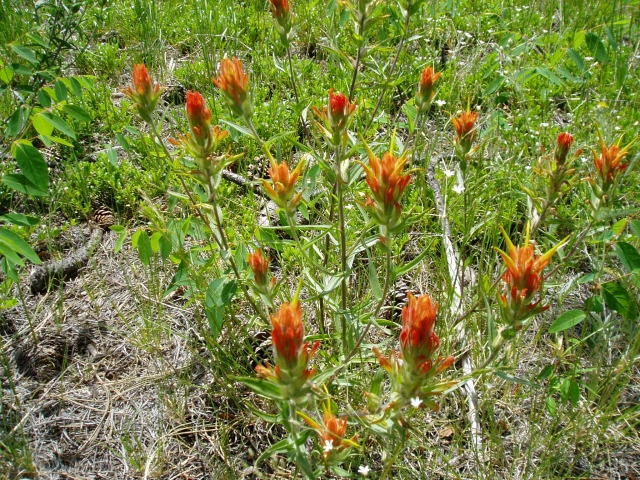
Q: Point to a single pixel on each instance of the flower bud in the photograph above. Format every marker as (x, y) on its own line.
(144, 93)
(425, 93)
(233, 83)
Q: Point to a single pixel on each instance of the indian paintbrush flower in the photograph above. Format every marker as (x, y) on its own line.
(466, 131)
(412, 368)
(425, 92)
(260, 267)
(281, 11)
(562, 147)
(609, 165)
(331, 434)
(144, 92)
(283, 183)
(335, 118)
(523, 281)
(291, 353)
(387, 184)
(233, 82)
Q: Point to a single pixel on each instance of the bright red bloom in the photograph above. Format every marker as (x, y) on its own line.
(465, 127)
(281, 11)
(233, 82)
(260, 267)
(145, 93)
(199, 116)
(387, 183)
(335, 117)
(280, 8)
(287, 334)
(425, 93)
(562, 147)
(283, 184)
(418, 341)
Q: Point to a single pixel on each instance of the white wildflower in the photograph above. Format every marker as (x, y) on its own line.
(440, 103)
(328, 445)
(458, 188)
(364, 470)
(415, 402)
(448, 173)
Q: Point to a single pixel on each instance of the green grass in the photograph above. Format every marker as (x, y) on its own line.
(530, 70)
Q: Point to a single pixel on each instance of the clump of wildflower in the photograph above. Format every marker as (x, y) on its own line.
(466, 131)
(233, 82)
(203, 139)
(281, 11)
(425, 93)
(609, 165)
(292, 354)
(415, 366)
(283, 185)
(259, 265)
(335, 117)
(522, 282)
(387, 183)
(331, 433)
(144, 92)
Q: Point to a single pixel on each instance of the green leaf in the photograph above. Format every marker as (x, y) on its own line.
(628, 255)
(594, 304)
(19, 245)
(60, 124)
(61, 90)
(43, 98)
(20, 183)
(221, 291)
(20, 219)
(166, 247)
(574, 392)
(587, 278)
(549, 75)
(122, 235)
(373, 277)
(10, 254)
(494, 85)
(10, 269)
(76, 87)
(283, 446)
(616, 298)
(6, 74)
(635, 226)
(77, 112)
(619, 226)
(511, 378)
(611, 38)
(25, 53)
(234, 127)
(576, 58)
(596, 46)
(546, 372)
(567, 320)
(261, 387)
(16, 122)
(42, 126)
(241, 257)
(32, 165)
(215, 316)
(551, 406)
(144, 248)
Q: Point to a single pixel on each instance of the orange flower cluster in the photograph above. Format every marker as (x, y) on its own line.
(203, 139)
(283, 184)
(233, 83)
(260, 267)
(144, 93)
(292, 355)
(425, 92)
(387, 183)
(466, 131)
(332, 435)
(414, 366)
(281, 11)
(609, 164)
(335, 118)
(523, 281)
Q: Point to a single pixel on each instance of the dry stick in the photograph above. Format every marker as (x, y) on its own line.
(452, 263)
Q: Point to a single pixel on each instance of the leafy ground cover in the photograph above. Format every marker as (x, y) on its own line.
(493, 122)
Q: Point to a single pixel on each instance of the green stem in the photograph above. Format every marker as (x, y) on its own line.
(343, 246)
(391, 70)
(358, 57)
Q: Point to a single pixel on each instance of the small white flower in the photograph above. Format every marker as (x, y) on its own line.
(441, 102)
(415, 402)
(364, 470)
(458, 188)
(328, 445)
(588, 59)
(544, 124)
(448, 173)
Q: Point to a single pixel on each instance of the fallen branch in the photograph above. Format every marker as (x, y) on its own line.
(66, 268)
(244, 183)
(453, 262)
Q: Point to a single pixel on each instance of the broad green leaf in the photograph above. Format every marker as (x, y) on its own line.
(589, 277)
(241, 257)
(61, 90)
(77, 112)
(144, 248)
(616, 298)
(16, 122)
(25, 53)
(215, 316)
(221, 291)
(567, 320)
(20, 219)
(20, 183)
(611, 38)
(122, 235)
(596, 46)
(10, 269)
(594, 304)
(574, 392)
(19, 245)
(261, 387)
(494, 85)
(32, 165)
(628, 255)
(576, 58)
(10, 254)
(546, 372)
(6, 74)
(635, 226)
(619, 226)
(42, 126)
(60, 124)
(549, 75)
(551, 406)
(166, 247)
(76, 87)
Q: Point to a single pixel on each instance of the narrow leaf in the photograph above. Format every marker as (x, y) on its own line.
(19, 245)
